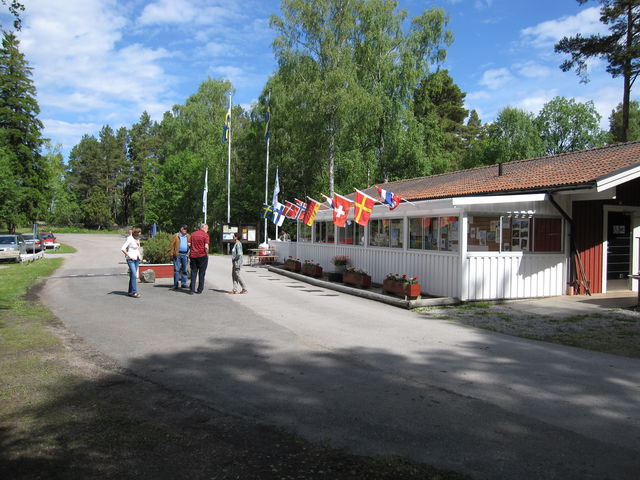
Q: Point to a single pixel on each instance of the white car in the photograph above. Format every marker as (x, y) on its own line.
(12, 246)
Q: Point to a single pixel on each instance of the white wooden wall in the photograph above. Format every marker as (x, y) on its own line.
(515, 275)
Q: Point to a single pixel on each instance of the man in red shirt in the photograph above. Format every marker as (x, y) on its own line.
(199, 254)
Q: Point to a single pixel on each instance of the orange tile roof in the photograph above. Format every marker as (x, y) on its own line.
(566, 170)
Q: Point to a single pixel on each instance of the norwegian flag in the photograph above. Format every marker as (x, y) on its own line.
(389, 198)
(302, 208)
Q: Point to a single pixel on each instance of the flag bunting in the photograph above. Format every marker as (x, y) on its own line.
(389, 198)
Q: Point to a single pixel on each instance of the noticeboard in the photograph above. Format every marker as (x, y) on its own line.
(249, 232)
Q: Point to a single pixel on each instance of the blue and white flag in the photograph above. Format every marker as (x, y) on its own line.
(278, 214)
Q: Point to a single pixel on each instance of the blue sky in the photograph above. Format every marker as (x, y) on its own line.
(100, 62)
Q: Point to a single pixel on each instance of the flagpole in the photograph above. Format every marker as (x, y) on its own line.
(266, 172)
(229, 168)
(204, 195)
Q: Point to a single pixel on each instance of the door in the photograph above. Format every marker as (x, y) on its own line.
(618, 251)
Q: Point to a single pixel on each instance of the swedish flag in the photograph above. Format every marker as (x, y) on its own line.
(227, 126)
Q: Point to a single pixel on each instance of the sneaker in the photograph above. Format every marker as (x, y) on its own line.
(244, 291)
(190, 292)
(174, 288)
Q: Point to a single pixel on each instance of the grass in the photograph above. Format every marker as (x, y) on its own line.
(64, 248)
(617, 333)
(67, 412)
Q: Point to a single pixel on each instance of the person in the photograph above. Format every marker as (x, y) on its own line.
(199, 255)
(178, 250)
(285, 236)
(236, 263)
(133, 254)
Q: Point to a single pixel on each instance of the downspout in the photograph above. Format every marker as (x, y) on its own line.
(573, 250)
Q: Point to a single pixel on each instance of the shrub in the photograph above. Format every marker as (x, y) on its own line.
(340, 260)
(156, 249)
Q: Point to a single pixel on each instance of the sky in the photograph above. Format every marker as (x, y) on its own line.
(105, 62)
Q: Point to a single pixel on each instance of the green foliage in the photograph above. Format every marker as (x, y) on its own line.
(566, 126)
(615, 123)
(156, 249)
(20, 136)
(620, 49)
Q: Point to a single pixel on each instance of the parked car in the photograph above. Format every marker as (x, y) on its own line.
(12, 246)
(33, 244)
(49, 239)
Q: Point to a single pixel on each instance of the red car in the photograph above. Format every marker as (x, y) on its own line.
(48, 239)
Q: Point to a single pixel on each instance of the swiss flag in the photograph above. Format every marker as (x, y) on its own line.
(341, 207)
(363, 208)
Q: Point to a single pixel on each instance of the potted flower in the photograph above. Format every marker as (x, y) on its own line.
(402, 285)
(292, 264)
(356, 277)
(312, 269)
(156, 256)
(340, 263)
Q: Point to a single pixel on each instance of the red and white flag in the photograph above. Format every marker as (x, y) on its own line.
(290, 210)
(341, 207)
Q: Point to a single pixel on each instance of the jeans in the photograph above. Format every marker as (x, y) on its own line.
(133, 273)
(198, 270)
(180, 269)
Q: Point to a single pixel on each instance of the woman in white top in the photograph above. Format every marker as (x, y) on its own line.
(133, 254)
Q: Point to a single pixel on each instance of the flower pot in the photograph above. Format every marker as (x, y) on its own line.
(339, 268)
(357, 279)
(161, 270)
(292, 265)
(311, 270)
(402, 289)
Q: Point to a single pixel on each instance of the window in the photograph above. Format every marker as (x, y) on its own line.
(415, 233)
(547, 234)
(305, 233)
(351, 234)
(434, 233)
(484, 233)
(323, 232)
(379, 232)
(505, 233)
(396, 231)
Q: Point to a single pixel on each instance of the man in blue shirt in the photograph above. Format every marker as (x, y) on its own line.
(178, 250)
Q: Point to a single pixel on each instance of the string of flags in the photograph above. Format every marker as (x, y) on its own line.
(306, 211)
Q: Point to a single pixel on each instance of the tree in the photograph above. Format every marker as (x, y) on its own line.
(21, 130)
(350, 72)
(439, 105)
(513, 136)
(15, 7)
(621, 48)
(566, 125)
(615, 123)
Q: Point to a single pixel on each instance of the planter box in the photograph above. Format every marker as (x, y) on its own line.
(402, 289)
(162, 270)
(311, 270)
(356, 279)
(292, 265)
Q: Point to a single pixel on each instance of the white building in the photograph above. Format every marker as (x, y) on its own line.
(541, 227)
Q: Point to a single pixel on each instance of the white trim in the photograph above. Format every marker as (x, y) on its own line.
(618, 179)
(530, 197)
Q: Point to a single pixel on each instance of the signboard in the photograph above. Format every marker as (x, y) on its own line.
(249, 232)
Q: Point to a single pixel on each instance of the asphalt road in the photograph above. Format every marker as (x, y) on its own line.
(358, 374)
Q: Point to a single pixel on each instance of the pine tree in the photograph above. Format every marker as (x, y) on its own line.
(21, 132)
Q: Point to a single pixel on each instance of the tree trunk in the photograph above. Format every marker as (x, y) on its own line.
(332, 158)
(627, 76)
